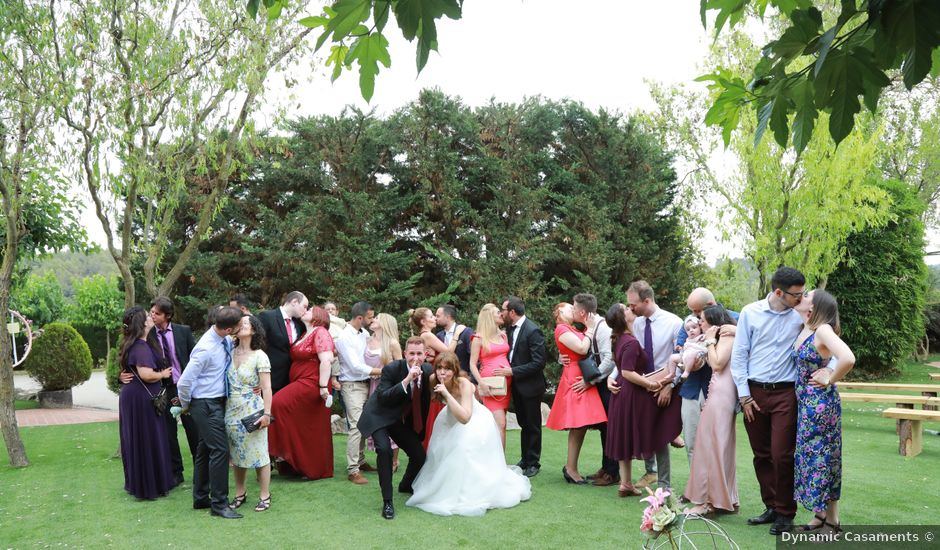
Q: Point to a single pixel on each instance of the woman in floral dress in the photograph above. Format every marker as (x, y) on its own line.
(818, 455)
(250, 369)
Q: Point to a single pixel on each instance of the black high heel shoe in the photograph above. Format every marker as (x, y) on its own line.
(239, 500)
(569, 479)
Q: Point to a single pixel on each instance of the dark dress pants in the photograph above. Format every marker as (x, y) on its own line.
(210, 478)
(189, 426)
(409, 442)
(608, 464)
(772, 435)
(529, 417)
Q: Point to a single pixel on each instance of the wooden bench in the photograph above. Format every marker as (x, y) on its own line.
(900, 401)
(912, 431)
(934, 375)
(927, 390)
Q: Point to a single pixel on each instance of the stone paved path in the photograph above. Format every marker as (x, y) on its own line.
(52, 417)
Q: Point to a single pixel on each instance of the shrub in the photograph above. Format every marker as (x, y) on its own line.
(113, 370)
(60, 358)
(882, 287)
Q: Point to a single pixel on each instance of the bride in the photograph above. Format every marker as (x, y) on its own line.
(465, 473)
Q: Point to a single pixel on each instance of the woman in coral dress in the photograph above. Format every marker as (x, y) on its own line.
(712, 479)
(490, 349)
(301, 436)
(573, 411)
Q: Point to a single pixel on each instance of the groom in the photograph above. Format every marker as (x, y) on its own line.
(397, 410)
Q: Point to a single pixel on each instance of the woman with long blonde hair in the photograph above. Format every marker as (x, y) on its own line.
(489, 348)
(382, 348)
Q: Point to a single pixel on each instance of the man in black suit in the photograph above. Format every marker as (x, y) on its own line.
(398, 410)
(446, 317)
(282, 327)
(527, 368)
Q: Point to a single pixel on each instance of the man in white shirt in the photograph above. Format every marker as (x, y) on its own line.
(657, 330)
(354, 376)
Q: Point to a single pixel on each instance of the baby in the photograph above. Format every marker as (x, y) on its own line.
(692, 356)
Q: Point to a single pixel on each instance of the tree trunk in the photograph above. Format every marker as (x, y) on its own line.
(11, 433)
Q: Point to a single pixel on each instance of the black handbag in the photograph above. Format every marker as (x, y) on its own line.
(160, 401)
(249, 422)
(590, 370)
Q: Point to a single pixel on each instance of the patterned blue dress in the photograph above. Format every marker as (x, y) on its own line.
(818, 456)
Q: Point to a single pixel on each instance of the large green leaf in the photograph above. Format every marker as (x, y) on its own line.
(368, 51)
(805, 27)
(806, 113)
(837, 89)
(914, 27)
(347, 15)
(417, 18)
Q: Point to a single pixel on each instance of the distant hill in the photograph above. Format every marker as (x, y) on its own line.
(75, 265)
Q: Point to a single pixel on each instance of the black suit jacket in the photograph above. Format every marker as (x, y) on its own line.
(528, 360)
(275, 332)
(184, 342)
(463, 349)
(390, 403)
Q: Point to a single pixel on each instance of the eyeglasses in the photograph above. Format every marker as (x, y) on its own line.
(794, 294)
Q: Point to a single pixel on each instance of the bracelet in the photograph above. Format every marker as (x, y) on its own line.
(324, 387)
(270, 418)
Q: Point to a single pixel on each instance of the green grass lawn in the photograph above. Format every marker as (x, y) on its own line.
(22, 404)
(72, 496)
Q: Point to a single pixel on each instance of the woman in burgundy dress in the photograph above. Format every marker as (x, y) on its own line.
(301, 437)
(144, 448)
(571, 410)
(638, 426)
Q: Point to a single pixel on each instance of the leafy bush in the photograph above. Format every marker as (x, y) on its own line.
(113, 370)
(60, 358)
(882, 287)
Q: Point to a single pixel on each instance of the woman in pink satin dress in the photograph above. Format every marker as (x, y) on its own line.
(712, 481)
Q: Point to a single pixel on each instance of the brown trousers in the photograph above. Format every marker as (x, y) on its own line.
(772, 434)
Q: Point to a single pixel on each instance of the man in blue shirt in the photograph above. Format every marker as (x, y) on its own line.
(202, 392)
(764, 372)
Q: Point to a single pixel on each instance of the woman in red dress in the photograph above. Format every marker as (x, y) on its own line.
(301, 437)
(571, 410)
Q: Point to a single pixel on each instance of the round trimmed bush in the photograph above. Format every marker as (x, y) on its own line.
(60, 358)
(113, 370)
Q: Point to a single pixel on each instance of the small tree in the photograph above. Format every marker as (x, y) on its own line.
(40, 299)
(60, 358)
(882, 286)
(98, 304)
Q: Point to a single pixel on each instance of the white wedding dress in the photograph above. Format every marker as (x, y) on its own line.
(466, 473)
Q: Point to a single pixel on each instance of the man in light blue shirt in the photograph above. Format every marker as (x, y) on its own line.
(764, 372)
(202, 392)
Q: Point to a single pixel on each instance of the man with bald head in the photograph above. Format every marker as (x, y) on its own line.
(694, 390)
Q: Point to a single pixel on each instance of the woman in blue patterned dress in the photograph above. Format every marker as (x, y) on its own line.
(250, 369)
(818, 456)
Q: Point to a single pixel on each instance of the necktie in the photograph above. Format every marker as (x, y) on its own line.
(166, 353)
(512, 333)
(227, 345)
(416, 423)
(648, 345)
(290, 331)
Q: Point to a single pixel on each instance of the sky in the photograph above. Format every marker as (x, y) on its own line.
(599, 52)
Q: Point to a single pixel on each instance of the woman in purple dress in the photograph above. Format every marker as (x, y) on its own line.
(639, 424)
(144, 448)
(818, 455)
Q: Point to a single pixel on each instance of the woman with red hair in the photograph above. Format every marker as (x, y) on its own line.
(301, 437)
